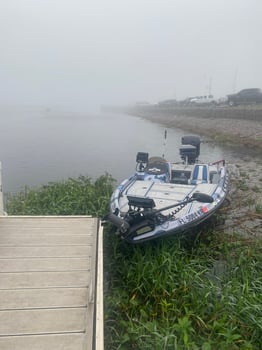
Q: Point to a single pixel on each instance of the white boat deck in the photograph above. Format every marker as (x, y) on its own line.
(51, 283)
(165, 194)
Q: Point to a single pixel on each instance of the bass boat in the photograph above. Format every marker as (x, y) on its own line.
(163, 198)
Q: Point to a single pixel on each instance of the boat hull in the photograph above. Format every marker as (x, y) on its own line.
(162, 199)
(167, 230)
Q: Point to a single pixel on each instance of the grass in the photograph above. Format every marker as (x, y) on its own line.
(201, 292)
(80, 196)
(258, 208)
(171, 294)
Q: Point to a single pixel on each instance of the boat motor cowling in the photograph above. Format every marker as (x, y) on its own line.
(142, 161)
(188, 153)
(190, 149)
(142, 157)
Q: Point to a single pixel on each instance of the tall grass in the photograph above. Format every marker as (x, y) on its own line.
(75, 196)
(173, 295)
(177, 294)
(180, 294)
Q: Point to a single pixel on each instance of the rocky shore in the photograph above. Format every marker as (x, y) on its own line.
(238, 128)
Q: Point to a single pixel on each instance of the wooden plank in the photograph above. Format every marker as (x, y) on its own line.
(60, 251)
(44, 279)
(43, 298)
(41, 321)
(44, 230)
(44, 264)
(39, 222)
(28, 239)
(68, 341)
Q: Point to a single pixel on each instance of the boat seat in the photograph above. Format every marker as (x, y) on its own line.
(200, 174)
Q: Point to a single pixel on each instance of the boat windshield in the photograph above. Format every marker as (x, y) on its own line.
(156, 166)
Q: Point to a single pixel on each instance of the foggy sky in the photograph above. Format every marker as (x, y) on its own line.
(82, 53)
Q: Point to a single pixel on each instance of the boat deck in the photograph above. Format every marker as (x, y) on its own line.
(164, 194)
(51, 283)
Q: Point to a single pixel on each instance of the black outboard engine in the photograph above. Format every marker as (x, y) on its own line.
(142, 160)
(190, 149)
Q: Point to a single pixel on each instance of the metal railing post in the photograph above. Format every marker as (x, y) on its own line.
(1, 193)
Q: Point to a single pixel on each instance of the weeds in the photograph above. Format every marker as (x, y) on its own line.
(258, 209)
(242, 185)
(167, 295)
(78, 196)
(255, 189)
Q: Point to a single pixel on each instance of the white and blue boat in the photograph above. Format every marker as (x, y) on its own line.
(163, 198)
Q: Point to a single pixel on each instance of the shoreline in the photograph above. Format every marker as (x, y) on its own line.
(235, 130)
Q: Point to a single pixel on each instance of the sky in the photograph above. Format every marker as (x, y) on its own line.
(81, 54)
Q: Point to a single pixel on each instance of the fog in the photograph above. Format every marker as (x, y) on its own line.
(79, 54)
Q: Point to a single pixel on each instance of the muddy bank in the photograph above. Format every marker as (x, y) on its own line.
(238, 112)
(243, 214)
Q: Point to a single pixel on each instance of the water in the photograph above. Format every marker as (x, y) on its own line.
(38, 146)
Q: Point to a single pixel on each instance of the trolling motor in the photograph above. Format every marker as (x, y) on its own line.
(142, 217)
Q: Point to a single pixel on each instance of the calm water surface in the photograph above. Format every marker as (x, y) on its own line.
(38, 145)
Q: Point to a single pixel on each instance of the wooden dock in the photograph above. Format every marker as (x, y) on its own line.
(51, 283)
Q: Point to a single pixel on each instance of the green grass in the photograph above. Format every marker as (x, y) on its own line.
(200, 292)
(174, 294)
(80, 196)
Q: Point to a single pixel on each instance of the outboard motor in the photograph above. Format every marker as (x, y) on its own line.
(190, 149)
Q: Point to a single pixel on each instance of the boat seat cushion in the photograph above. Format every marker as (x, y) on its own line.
(199, 174)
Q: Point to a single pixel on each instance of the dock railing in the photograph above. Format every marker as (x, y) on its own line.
(1, 193)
